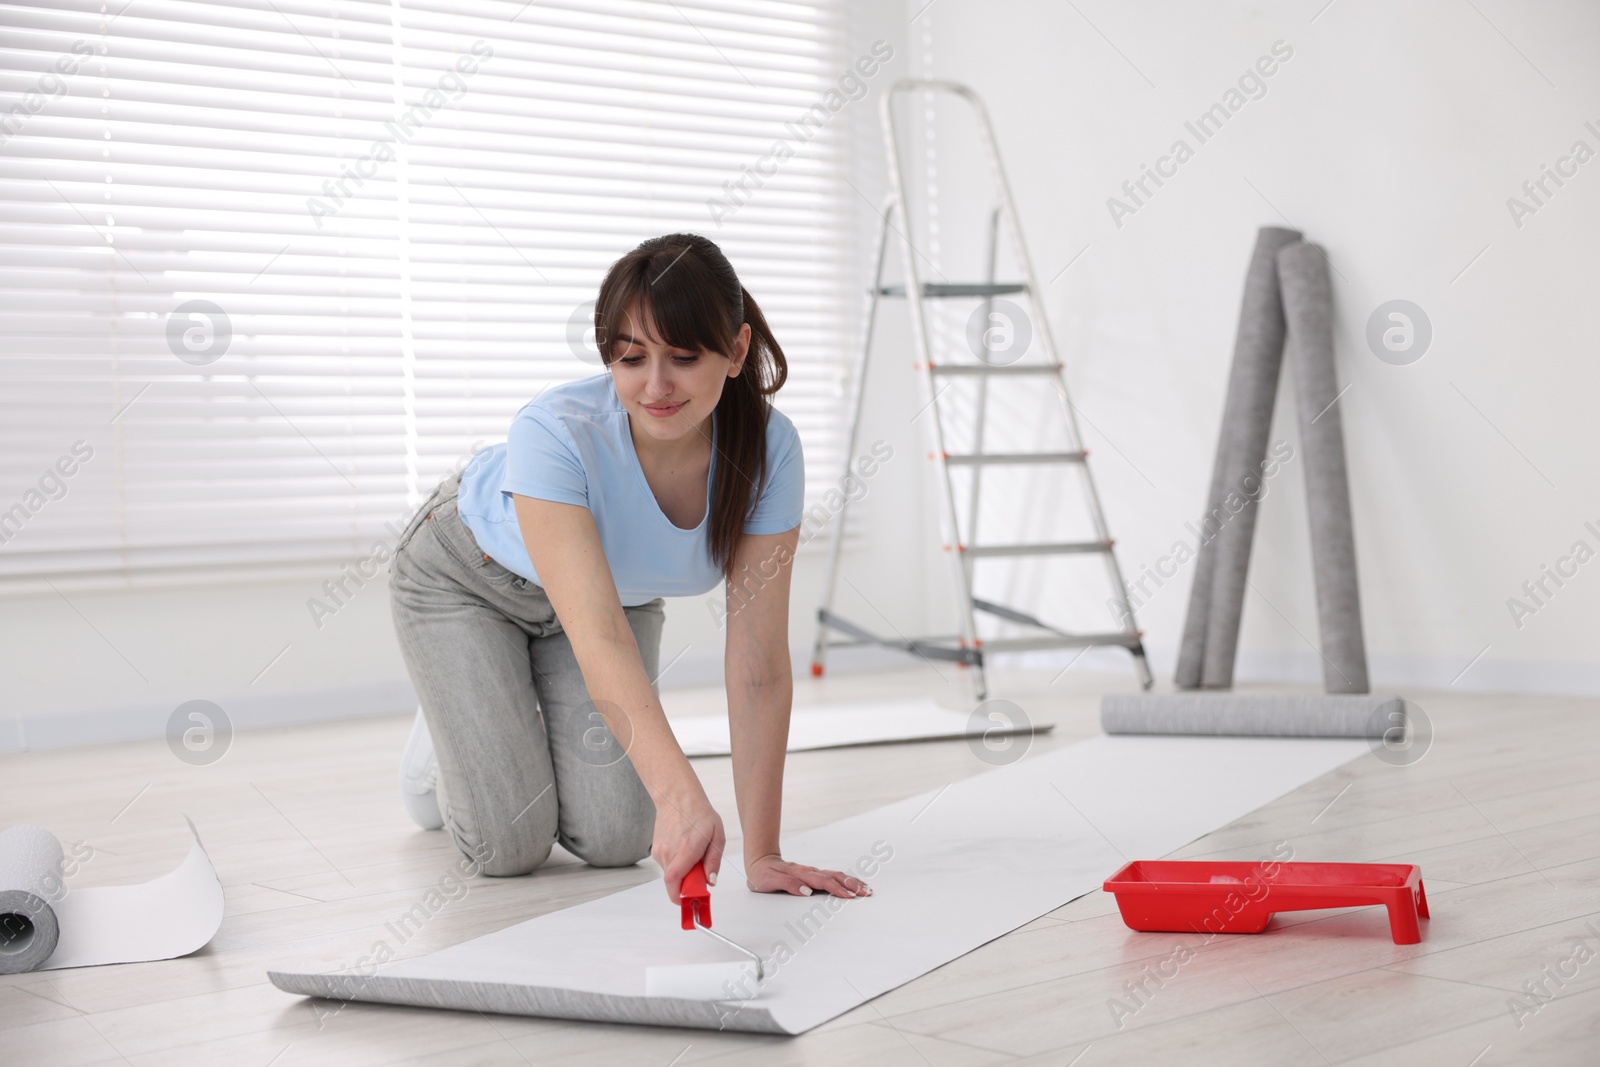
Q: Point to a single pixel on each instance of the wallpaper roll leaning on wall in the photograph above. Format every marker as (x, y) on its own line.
(1308, 308)
(1216, 600)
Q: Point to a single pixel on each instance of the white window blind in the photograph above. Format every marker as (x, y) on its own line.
(272, 268)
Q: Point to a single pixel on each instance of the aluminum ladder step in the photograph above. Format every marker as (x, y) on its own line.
(1048, 548)
(1115, 638)
(949, 290)
(1013, 458)
(986, 369)
(947, 647)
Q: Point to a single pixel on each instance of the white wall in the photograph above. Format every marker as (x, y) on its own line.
(1392, 137)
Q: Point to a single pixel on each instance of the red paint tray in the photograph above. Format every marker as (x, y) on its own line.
(1241, 898)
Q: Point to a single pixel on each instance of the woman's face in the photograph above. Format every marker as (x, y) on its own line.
(669, 393)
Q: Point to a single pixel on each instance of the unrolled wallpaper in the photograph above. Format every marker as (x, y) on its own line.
(950, 869)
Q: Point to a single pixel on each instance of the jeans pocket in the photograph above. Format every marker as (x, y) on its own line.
(496, 573)
(457, 538)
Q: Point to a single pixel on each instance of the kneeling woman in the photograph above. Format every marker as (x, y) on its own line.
(527, 590)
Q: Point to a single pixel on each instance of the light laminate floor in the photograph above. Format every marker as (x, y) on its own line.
(316, 855)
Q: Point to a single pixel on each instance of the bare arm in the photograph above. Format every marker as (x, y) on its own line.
(760, 687)
(760, 684)
(564, 545)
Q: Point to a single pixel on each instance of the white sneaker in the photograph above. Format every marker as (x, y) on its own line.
(419, 777)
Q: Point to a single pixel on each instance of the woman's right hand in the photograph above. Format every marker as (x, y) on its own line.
(688, 830)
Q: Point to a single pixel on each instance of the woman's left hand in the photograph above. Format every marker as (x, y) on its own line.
(774, 874)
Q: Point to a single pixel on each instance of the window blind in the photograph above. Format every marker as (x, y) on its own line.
(271, 269)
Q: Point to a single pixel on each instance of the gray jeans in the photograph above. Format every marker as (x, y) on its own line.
(525, 760)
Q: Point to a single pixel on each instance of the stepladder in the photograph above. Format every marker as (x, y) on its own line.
(998, 421)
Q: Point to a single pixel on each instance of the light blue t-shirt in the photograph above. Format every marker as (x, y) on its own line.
(572, 445)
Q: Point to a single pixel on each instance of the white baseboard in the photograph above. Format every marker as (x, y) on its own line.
(1460, 673)
(144, 722)
(1395, 672)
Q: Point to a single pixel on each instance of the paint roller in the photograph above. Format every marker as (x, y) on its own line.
(705, 981)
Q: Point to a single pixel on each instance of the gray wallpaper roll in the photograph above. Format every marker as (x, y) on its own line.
(1240, 715)
(31, 862)
(1308, 307)
(1216, 599)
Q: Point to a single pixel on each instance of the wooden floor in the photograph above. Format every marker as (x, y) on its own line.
(316, 855)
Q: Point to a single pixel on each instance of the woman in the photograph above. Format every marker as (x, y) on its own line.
(527, 591)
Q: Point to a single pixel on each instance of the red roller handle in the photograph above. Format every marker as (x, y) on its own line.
(695, 897)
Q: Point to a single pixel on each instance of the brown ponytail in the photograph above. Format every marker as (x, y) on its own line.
(694, 297)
